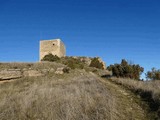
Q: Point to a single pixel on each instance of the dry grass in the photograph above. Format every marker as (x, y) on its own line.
(152, 86)
(77, 97)
(38, 65)
(149, 91)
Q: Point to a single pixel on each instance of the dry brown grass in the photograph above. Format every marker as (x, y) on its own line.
(150, 86)
(149, 91)
(77, 97)
(38, 65)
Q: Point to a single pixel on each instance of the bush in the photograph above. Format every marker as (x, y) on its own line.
(126, 70)
(153, 74)
(73, 63)
(51, 58)
(96, 63)
(66, 70)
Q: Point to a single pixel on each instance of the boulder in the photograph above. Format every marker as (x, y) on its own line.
(59, 71)
(10, 74)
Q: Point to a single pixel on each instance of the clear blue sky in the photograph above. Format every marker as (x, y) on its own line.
(111, 29)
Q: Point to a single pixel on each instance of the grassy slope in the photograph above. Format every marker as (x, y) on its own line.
(75, 96)
(148, 91)
(128, 104)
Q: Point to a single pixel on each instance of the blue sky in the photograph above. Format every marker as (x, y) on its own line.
(111, 29)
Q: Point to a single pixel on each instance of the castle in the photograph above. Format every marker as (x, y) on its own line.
(57, 47)
(53, 46)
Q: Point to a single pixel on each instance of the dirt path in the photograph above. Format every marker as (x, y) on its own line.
(128, 103)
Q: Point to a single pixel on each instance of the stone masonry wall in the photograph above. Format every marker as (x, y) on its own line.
(56, 47)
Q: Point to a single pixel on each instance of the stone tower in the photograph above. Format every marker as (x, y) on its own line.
(53, 46)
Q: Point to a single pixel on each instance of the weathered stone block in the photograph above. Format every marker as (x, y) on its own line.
(10, 74)
(30, 73)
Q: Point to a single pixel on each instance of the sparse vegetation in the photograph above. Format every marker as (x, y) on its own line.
(96, 63)
(71, 62)
(126, 70)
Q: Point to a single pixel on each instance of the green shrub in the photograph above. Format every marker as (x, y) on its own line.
(153, 74)
(51, 58)
(66, 70)
(96, 63)
(126, 70)
(73, 63)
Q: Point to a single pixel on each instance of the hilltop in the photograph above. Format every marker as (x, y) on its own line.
(51, 90)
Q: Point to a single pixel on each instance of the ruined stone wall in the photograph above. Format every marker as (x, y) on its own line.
(56, 47)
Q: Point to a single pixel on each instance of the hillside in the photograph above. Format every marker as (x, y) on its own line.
(40, 92)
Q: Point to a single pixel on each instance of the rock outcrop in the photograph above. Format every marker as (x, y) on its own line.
(10, 74)
(32, 73)
(87, 60)
(103, 63)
